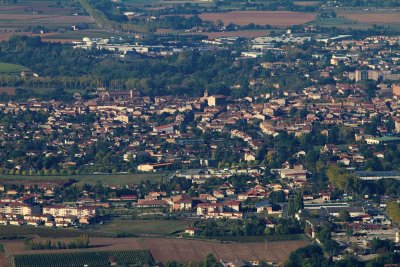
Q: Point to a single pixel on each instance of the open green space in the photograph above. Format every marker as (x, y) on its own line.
(269, 238)
(11, 68)
(143, 227)
(16, 232)
(111, 179)
(340, 22)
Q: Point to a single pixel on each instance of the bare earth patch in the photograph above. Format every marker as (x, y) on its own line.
(183, 250)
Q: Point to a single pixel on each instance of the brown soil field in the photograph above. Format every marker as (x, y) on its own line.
(164, 249)
(274, 18)
(381, 18)
(7, 90)
(3, 260)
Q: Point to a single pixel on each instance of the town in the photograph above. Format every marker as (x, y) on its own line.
(210, 133)
(319, 160)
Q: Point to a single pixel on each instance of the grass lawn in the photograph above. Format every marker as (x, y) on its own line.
(10, 68)
(144, 227)
(113, 179)
(341, 22)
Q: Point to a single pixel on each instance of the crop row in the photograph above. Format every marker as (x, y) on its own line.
(79, 259)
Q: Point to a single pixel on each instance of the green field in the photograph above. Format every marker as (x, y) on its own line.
(11, 68)
(143, 227)
(340, 22)
(270, 238)
(101, 258)
(112, 179)
(16, 232)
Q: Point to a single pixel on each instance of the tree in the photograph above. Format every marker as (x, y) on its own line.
(331, 247)
(211, 261)
(340, 179)
(344, 216)
(393, 210)
(308, 256)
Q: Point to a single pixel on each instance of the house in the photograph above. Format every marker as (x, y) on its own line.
(216, 100)
(218, 194)
(155, 195)
(232, 206)
(18, 208)
(354, 211)
(33, 223)
(65, 211)
(153, 167)
(16, 222)
(164, 129)
(207, 197)
(224, 215)
(182, 203)
(326, 197)
(262, 206)
(205, 208)
(377, 175)
(191, 231)
(146, 203)
(119, 95)
(50, 224)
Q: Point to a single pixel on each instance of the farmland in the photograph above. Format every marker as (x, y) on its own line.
(183, 250)
(341, 23)
(138, 258)
(21, 17)
(273, 18)
(144, 227)
(7, 90)
(114, 179)
(373, 18)
(12, 232)
(243, 33)
(36, 6)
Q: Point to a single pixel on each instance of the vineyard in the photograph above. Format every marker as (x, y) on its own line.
(79, 259)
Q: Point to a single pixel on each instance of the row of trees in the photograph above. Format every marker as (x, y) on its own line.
(105, 22)
(78, 242)
(251, 227)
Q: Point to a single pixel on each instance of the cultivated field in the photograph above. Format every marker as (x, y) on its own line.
(111, 179)
(373, 18)
(36, 6)
(136, 258)
(244, 33)
(341, 22)
(23, 20)
(7, 90)
(144, 227)
(12, 232)
(164, 249)
(18, 18)
(273, 18)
